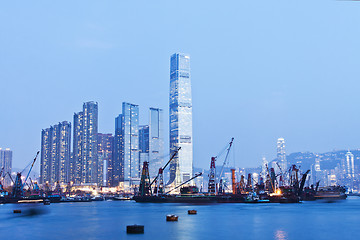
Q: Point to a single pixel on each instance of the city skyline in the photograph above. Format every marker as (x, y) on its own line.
(153, 119)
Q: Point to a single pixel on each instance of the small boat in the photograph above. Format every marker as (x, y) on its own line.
(122, 198)
(171, 218)
(192, 212)
(97, 198)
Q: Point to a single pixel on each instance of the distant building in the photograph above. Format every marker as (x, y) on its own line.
(5, 165)
(55, 153)
(85, 153)
(350, 167)
(281, 154)
(264, 168)
(180, 118)
(126, 158)
(105, 157)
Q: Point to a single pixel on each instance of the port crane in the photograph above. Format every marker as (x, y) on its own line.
(18, 189)
(145, 184)
(213, 187)
(159, 185)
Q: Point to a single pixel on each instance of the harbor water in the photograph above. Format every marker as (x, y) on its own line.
(108, 220)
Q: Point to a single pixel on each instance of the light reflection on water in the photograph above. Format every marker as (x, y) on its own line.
(108, 220)
(280, 235)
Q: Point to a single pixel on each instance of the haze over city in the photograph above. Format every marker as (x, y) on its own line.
(260, 70)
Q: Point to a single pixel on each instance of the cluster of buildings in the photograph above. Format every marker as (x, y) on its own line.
(77, 153)
(329, 169)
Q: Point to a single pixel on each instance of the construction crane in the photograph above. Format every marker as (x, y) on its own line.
(32, 165)
(213, 187)
(223, 166)
(227, 154)
(302, 183)
(144, 188)
(159, 188)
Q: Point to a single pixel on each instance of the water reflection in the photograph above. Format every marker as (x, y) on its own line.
(280, 235)
(29, 210)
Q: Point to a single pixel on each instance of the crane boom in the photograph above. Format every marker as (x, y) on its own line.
(227, 154)
(32, 165)
(196, 175)
(163, 168)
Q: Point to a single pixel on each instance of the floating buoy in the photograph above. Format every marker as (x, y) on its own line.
(171, 218)
(135, 229)
(17, 210)
(192, 212)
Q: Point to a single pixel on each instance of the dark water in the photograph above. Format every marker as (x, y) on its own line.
(108, 220)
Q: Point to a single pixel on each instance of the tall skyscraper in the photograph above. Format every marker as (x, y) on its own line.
(45, 162)
(85, 152)
(350, 167)
(151, 142)
(118, 165)
(156, 141)
(105, 156)
(126, 159)
(64, 151)
(55, 153)
(180, 118)
(281, 154)
(6, 165)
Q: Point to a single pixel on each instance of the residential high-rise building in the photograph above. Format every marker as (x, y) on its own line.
(55, 153)
(85, 153)
(64, 151)
(350, 167)
(126, 159)
(180, 118)
(105, 156)
(5, 165)
(118, 166)
(156, 141)
(281, 154)
(45, 162)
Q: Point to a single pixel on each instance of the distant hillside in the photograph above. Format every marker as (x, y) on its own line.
(328, 160)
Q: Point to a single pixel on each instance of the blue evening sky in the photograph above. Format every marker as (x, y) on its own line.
(260, 70)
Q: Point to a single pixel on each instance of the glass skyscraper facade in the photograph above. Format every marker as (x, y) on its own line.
(85, 153)
(156, 141)
(55, 153)
(180, 118)
(6, 163)
(127, 144)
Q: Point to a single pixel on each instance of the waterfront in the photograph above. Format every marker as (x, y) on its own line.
(108, 220)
